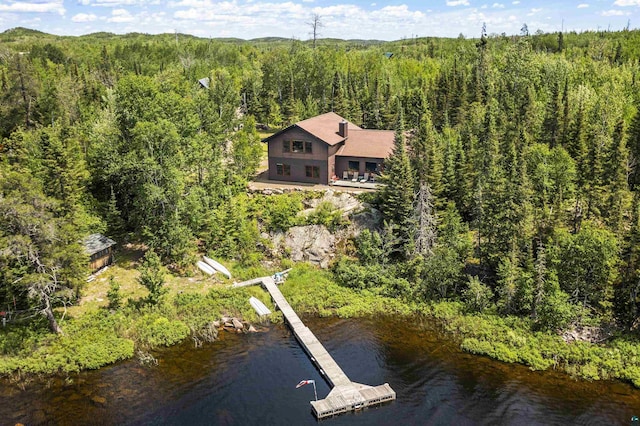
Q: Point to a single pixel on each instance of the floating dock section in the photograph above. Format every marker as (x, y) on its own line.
(345, 395)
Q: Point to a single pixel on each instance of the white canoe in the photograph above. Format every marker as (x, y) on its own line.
(205, 268)
(259, 306)
(217, 266)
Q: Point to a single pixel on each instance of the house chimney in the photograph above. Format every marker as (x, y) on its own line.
(343, 129)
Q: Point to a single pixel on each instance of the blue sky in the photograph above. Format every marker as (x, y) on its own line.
(373, 19)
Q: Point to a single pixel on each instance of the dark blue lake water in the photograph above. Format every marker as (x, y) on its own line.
(250, 380)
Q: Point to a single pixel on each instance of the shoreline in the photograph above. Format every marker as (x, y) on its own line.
(311, 292)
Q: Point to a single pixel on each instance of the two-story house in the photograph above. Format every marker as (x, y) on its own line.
(323, 148)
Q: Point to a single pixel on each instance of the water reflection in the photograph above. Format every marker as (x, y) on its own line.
(250, 379)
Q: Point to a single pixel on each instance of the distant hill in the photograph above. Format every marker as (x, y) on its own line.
(99, 35)
(26, 32)
(269, 39)
(21, 31)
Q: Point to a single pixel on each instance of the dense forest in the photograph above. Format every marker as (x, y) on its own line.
(513, 186)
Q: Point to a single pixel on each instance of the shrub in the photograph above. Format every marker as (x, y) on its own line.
(477, 296)
(280, 212)
(155, 330)
(152, 277)
(113, 294)
(328, 215)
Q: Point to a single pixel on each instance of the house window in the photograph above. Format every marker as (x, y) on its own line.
(354, 166)
(298, 147)
(283, 169)
(312, 172)
(370, 167)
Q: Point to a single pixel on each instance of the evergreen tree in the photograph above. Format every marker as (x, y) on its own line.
(397, 194)
(152, 277)
(552, 119)
(615, 173)
(627, 294)
(113, 294)
(42, 262)
(115, 225)
(508, 274)
(633, 142)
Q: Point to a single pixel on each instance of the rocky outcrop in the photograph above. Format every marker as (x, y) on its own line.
(366, 218)
(341, 200)
(315, 243)
(312, 243)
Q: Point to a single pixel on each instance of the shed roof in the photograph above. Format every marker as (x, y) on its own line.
(97, 242)
(368, 144)
(204, 82)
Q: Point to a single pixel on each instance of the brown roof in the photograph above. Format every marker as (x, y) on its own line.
(359, 142)
(368, 143)
(325, 127)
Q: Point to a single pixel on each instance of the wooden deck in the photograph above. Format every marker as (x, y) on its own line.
(345, 395)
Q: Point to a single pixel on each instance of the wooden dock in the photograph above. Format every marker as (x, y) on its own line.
(345, 395)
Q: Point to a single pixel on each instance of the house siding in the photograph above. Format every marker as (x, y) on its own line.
(298, 161)
(331, 167)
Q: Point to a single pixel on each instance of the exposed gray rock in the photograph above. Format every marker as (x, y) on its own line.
(341, 200)
(313, 243)
(367, 218)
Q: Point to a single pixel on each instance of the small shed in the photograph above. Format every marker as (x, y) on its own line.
(100, 250)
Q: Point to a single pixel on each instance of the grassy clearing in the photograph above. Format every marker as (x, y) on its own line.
(124, 271)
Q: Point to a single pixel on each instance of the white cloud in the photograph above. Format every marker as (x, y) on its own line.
(457, 2)
(583, 6)
(84, 17)
(612, 12)
(515, 2)
(536, 10)
(497, 6)
(111, 3)
(51, 6)
(344, 10)
(191, 3)
(120, 16)
(265, 14)
(398, 12)
(624, 3)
